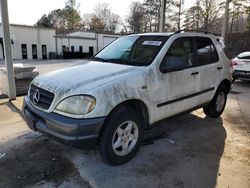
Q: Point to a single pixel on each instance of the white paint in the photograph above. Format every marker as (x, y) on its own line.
(30, 35)
(112, 84)
(85, 39)
(21, 34)
(76, 42)
(243, 62)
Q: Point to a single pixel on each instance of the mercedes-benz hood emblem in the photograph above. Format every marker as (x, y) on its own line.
(36, 96)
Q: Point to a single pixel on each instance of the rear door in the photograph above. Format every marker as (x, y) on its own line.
(210, 68)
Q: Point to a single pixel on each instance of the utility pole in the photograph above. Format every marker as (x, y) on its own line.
(225, 23)
(162, 15)
(179, 16)
(198, 16)
(8, 53)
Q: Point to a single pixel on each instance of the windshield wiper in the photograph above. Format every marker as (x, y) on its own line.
(118, 61)
(98, 59)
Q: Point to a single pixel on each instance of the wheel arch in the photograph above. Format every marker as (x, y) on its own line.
(135, 104)
(227, 84)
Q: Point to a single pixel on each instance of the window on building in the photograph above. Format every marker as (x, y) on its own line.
(91, 51)
(34, 51)
(24, 51)
(206, 51)
(44, 51)
(64, 49)
(80, 49)
(72, 49)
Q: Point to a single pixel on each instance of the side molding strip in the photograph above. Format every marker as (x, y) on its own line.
(185, 97)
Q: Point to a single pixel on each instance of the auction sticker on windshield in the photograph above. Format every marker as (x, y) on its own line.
(152, 43)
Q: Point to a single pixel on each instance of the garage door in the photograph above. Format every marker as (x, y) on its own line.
(108, 40)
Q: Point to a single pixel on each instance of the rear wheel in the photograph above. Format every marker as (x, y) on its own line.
(122, 136)
(216, 106)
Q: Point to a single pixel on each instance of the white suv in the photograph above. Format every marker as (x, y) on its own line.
(126, 88)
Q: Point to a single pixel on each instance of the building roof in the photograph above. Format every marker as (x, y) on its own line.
(74, 37)
(83, 35)
(30, 26)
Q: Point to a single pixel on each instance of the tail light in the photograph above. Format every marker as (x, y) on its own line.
(234, 63)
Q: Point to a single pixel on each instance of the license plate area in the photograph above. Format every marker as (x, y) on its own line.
(30, 121)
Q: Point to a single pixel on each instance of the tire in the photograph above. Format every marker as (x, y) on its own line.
(122, 136)
(216, 106)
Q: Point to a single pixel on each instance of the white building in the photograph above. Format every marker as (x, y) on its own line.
(84, 42)
(29, 42)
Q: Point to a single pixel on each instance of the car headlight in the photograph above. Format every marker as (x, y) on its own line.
(76, 106)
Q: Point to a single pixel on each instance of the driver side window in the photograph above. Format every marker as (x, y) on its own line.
(179, 56)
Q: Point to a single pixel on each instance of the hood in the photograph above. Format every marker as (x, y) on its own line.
(80, 78)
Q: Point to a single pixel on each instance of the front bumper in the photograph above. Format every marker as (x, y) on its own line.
(240, 74)
(79, 133)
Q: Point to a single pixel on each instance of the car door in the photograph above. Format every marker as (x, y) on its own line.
(210, 68)
(178, 77)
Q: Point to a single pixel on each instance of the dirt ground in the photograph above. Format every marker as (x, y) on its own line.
(195, 151)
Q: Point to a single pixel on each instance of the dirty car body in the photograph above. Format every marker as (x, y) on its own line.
(154, 76)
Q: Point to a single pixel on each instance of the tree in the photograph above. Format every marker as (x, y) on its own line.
(103, 19)
(173, 15)
(96, 24)
(248, 18)
(136, 17)
(54, 19)
(45, 21)
(152, 10)
(236, 15)
(210, 13)
(194, 18)
(145, 17)
(64, 20)
(72, 16)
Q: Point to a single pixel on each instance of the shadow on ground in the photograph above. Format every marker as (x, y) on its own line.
(36, 162)
(188, 157)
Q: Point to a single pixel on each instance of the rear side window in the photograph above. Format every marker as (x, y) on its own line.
(223, 46)
(206, 51)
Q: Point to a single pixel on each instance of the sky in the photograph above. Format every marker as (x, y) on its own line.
(28, 12)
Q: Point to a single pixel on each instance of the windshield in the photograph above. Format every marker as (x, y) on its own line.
(132, 50)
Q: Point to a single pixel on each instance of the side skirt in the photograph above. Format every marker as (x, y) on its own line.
(177, 115)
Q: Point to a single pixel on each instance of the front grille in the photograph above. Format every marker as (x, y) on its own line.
(45, 99)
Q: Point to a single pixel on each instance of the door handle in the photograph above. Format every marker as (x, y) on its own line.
(219, 68)
(194, 73)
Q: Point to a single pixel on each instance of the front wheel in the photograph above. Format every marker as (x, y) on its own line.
(122, 136)
(216, 106)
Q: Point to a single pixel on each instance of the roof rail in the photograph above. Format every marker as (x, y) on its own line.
(198, 31)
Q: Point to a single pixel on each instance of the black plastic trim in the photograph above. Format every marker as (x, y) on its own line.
(178, 114)
(79, 133)
(185, 97)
